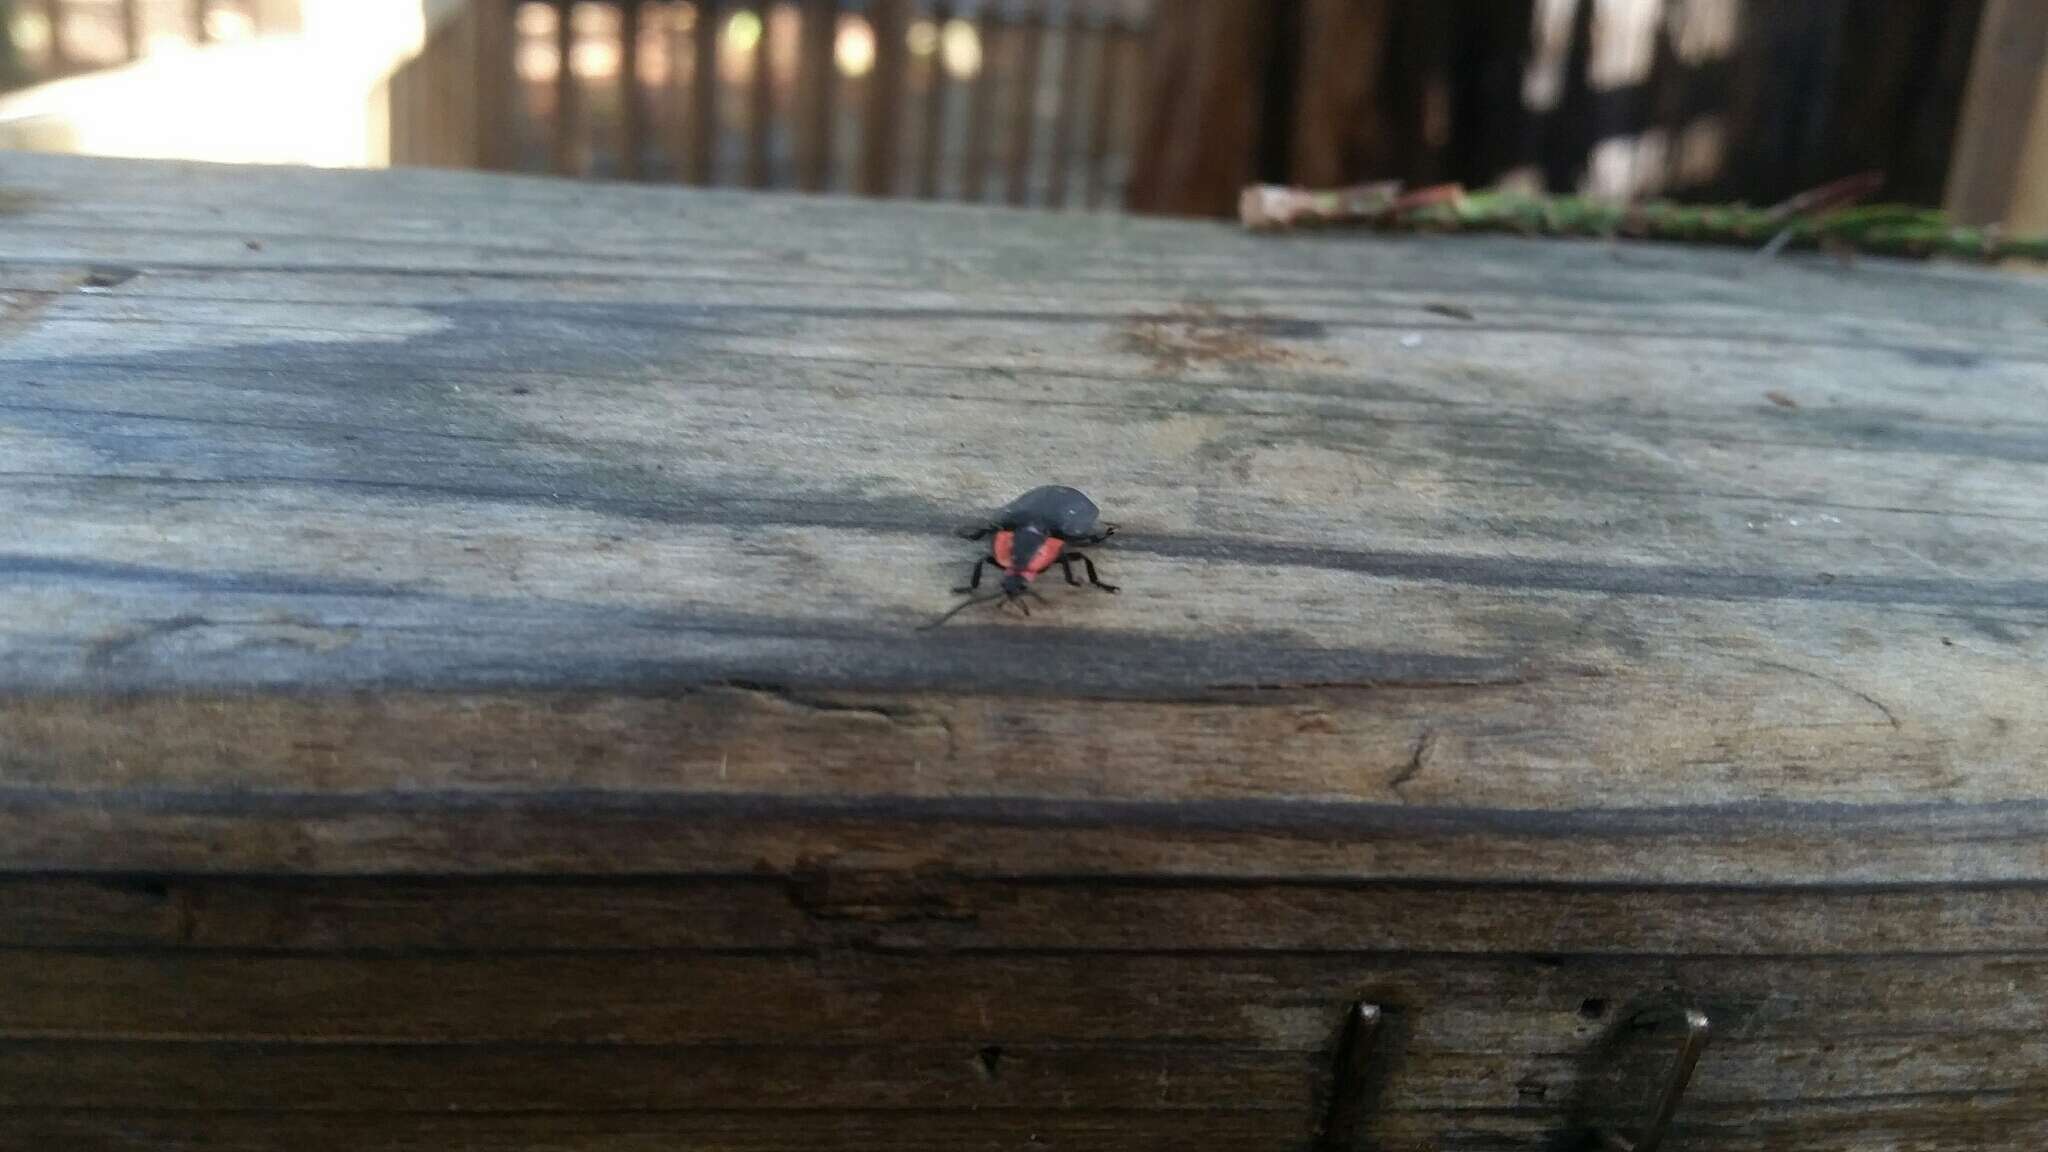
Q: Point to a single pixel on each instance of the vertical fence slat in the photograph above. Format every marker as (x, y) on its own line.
(761, 101)
(1070, 98)
(1110, 49)
(815, 82)
(632, 112)
(1203, 88)
(57, 14)
(934, 126)
(677, 129)
(495, 85)
(981, 104)
(1030, 40)
(567, 113)
(1343, 131)
(884, 99)
(131, 28)
(2005, 75)
(704, 91)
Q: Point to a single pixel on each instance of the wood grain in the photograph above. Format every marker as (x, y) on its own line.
(1972, 1123)
(460, 648)
(895, 911)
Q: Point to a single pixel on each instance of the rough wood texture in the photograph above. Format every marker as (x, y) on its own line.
(461, 686)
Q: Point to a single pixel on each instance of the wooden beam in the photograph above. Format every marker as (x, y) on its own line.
(2000, 111)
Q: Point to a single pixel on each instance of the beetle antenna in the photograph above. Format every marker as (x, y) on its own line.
(962, 606)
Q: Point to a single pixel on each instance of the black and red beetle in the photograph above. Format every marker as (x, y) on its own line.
(1041, 528)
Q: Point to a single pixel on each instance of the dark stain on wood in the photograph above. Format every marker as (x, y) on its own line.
(1202, 334)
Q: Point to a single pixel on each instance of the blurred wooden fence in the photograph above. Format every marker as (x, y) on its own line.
(51, 39)
(1172, 107)
(1026, 103)
(1724, 99)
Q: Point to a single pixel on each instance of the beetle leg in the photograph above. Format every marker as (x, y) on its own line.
(1067, 566)
(975, 580)
(978, 531)
(1067, 557)
(1107, 531)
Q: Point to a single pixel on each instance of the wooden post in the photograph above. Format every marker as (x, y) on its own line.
(632, 109)
(817, 79)
(884, 99)
(703, 144)
(2001, 113)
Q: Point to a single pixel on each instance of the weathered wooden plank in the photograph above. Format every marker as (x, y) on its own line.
(1969, 1123)
(1473, 520)
(641, 1132)
(499, 1078)
(915, 913)
(1286, 1002)
(351, 1078)
(1665, 640)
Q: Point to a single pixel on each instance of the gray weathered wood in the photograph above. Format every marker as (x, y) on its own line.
(447, 621)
